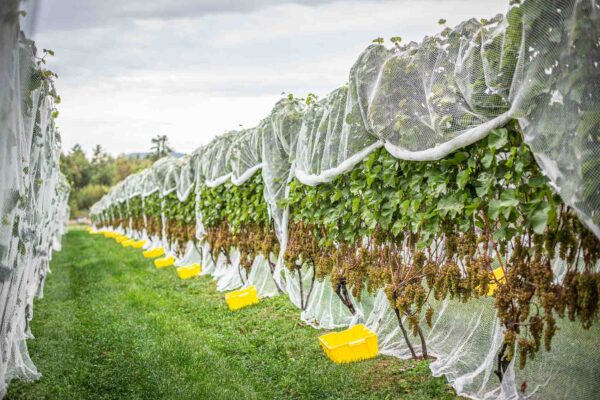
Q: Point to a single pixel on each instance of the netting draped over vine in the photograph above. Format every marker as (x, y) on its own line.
(33, 193)
(215, 166)
(166, 174)
(185, 181)
(539, 64)
(245, 155)
(280, 134)
(148, 183)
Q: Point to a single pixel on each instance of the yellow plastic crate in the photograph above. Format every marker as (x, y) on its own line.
(189, 271)
(164, 262)
(354, 344)
(127, 243)
(499, 275)
(155, 252)
(121, 238)
(242, 298)
(138, 244)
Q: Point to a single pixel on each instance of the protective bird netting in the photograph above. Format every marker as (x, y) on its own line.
(33, 193)
(450, 104)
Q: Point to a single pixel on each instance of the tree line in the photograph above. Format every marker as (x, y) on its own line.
(91, 178)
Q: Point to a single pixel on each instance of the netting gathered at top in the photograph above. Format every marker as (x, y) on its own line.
(33, 193)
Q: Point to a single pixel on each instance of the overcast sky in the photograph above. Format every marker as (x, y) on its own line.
(192, 69)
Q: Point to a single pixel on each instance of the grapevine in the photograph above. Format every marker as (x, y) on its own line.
(437, 230)
(237, 217)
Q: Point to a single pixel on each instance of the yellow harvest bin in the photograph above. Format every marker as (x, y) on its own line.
(138, 244)
(242, 298)
(354, 344)
(189, 271)
(164, 262)
(155, 252)
(127, 243)
(499, 275)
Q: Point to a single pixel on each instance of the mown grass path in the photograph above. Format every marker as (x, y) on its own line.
(112, 326)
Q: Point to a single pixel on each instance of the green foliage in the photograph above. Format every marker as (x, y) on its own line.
(183, 212)
(88, 176)
(497, 176)
(135, 207)
(88, 195)
(171, 205)
(180, 218)
(396, 40)
(153, 205)
(238, 216)
(235, 205)
(76, 167)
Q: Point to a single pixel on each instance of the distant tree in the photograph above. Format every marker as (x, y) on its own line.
(160, 147)
(99, 155)
(125, 166)
(76, 167)
(102, 167)
(87, 196)
(91, 179)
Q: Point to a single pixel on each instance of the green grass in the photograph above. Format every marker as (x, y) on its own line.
(111, 326)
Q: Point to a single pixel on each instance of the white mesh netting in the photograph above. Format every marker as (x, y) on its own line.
(33, 193)
(538, 64)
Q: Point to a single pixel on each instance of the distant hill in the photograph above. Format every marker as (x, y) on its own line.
(139, 156)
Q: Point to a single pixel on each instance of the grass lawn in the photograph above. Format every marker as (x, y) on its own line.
(112, 326)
